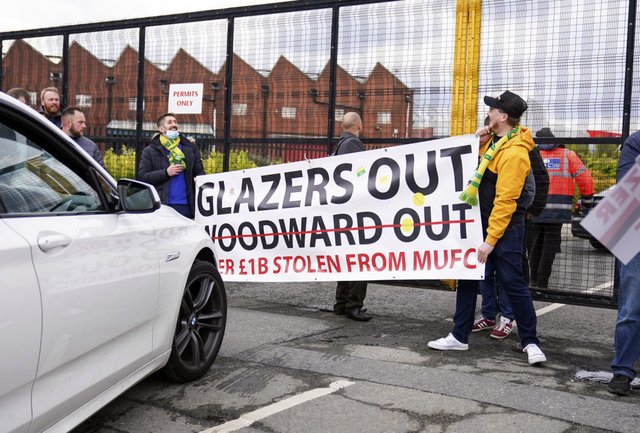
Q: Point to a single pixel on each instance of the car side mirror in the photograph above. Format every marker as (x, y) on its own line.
(136, 196)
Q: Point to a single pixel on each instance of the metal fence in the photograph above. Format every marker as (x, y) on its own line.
(278, 78)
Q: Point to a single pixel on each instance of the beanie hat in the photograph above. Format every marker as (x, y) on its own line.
(545, 133)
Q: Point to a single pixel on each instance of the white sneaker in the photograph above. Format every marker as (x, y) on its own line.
(535, 354)
(448, 343)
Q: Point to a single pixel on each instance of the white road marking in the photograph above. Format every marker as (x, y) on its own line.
(595, 289)
(552, 307)
(548, 308)
(249, 418)
(600, 287)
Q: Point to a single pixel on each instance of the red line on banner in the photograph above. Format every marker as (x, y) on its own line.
(345, 229)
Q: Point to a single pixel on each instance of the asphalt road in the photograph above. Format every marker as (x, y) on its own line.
(287, 366)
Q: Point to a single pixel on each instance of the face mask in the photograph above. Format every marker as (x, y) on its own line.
(172, 134)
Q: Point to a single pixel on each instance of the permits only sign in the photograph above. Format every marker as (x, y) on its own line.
(185, 98)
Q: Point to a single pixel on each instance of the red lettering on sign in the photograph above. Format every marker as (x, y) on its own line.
(441, 259)
(466, 262)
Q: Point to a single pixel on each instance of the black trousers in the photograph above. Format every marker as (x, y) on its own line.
(350, 294)
(545, 244)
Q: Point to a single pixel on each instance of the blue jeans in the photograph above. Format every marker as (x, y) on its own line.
(506, 261)
(627, 331)
(493, 296)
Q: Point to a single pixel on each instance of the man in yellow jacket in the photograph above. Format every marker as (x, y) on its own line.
(503, 208)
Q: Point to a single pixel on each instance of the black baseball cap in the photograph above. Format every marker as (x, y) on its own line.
(509, 103)
(545, 133)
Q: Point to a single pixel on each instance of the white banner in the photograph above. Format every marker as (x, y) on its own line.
(615, 221)
(185, 98)
(383, 214)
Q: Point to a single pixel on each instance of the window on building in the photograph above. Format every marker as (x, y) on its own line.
(133, 104)
(33, 97)
(384, 118)
(83, 101)
(339, 115)
(288, 112)
(239, 109)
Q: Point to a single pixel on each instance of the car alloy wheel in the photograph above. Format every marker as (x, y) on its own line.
(200, 326)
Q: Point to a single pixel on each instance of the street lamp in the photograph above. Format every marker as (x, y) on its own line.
(109, 81)
(55, 76)
(215, 86)
(163, 86)
(407, 99)
(315, 94)
(265, 95)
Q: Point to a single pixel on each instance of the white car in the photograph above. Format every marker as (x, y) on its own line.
(100, 285)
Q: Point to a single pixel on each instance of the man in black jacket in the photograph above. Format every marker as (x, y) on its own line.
(170, 163)
(541, 177)
(350, 294)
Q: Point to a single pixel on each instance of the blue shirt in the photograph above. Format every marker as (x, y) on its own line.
(177, 187)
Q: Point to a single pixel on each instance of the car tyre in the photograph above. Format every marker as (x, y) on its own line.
(200, 327)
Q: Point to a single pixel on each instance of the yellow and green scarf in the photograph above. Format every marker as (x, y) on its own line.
(470, 193)
(175, 154)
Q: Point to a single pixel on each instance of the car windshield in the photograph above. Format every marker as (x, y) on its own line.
(31, 180)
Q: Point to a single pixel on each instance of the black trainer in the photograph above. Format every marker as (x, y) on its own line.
(619, 385)
(357, 314)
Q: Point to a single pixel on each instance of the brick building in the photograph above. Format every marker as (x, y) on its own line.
(285, 102)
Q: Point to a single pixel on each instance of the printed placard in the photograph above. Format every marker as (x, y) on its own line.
(615, 221)
(383, 214)
(185, 98)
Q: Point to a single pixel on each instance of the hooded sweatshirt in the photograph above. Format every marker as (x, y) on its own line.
(502, 201)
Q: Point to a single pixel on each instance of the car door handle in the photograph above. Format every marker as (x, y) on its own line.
(49, 242)
(173, 255)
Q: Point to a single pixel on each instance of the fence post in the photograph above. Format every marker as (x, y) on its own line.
(1, 65)
(65, 71)
(459, 66)
(628, 72)
(333, 66)
(464, 96)
(473, 64)
(228, 88)
(140, 96)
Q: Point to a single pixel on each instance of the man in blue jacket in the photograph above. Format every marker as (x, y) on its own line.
(627, 330)
(170, 163)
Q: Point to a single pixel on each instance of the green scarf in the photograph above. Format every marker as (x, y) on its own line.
(470, 193)
(175, 154)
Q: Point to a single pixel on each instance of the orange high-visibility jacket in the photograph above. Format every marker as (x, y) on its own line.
(565, 168)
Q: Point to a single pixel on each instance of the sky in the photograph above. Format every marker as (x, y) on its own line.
(37, 14)
(419, 52)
